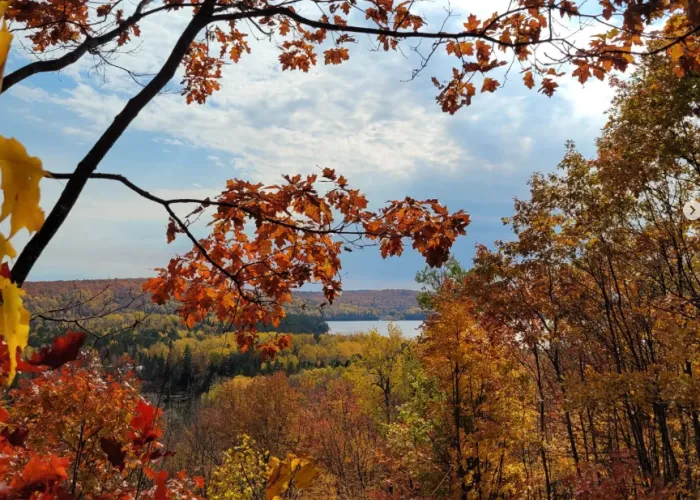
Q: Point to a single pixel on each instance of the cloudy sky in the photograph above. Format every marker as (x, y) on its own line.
(363, 118)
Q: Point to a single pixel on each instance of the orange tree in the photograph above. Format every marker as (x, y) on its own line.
(483, 390)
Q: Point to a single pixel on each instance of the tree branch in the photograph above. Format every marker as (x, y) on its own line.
(184, 228)
(74, 55)
(367, 30)
(339, 230)
(89, 163)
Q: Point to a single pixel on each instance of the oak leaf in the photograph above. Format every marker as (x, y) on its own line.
(336, 55)
(472, 23)
(489, 85)
(143, 424)
(39, 473)
(158, 478)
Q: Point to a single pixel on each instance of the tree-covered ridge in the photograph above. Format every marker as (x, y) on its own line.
(87, 298)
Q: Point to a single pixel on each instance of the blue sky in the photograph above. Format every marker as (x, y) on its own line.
(387, 136)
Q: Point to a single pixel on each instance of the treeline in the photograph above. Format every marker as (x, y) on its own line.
(96, 298)
(392, 305)
(190, 366)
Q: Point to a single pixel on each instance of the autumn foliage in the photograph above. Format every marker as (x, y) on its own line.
(299, 237)
(563, 364)
(97, 422)
(477, 48)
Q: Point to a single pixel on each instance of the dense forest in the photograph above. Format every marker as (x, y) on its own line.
(122, 320)
(561, 364)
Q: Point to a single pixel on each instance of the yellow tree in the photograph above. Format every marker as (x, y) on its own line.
(485, 395)
(383, 360)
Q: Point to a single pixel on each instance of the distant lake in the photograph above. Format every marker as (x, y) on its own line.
(409, 328)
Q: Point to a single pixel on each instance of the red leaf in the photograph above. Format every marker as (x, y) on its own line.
(22, 365)
(39, 474)
(159, 479)
(64, 349)
(144, 424)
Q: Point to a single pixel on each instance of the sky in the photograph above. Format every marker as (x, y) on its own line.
(365, 119)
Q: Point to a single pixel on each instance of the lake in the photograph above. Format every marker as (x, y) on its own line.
(409, 328)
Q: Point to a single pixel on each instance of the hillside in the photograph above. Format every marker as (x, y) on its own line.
(92, 296)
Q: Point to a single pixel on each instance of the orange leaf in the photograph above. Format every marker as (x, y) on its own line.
(489, 85)
(336, 55)
(472, 23)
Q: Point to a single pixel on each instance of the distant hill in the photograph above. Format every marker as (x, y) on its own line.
(91, 296)
(364, 304)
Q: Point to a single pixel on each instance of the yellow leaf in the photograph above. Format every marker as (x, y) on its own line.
(676, 52)
(300, 471)
(6, 248)
(15, 322)
(305, 475)
(276, 482)
(5, 40)
(21, 174)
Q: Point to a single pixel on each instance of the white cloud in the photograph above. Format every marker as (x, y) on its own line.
(360, 122)
(385, 132)
(169, 141)
(79, 132)
(526, 144)
(215, 160)
(28, 93)
(589, 101)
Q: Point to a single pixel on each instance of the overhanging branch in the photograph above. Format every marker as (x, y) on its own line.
(37, 244)
(90, 43)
